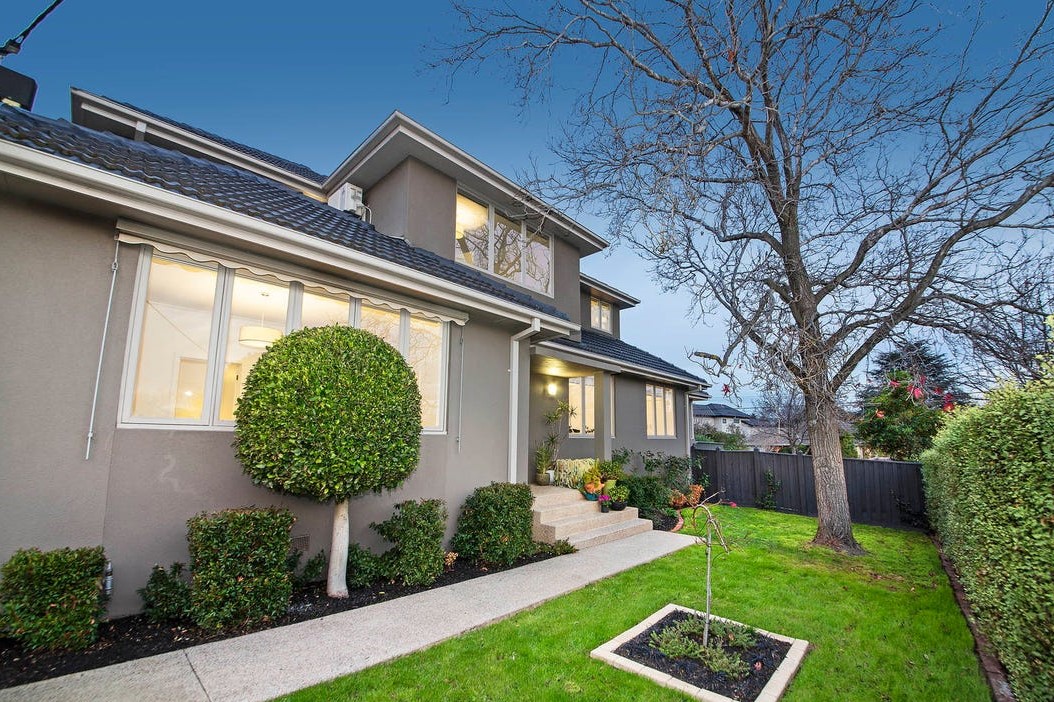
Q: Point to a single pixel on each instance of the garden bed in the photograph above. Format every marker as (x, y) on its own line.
(771, 661)
(129, 638)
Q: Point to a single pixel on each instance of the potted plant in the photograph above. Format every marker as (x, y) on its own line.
(592, 485)
(605, 503)
(548, 451)
(619, 494)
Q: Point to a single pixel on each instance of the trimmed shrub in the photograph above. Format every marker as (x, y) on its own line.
(989, 482)
(329, 413)
(364, 566)
(238, 559)
(53, 599)
(675, 472)
(417, 530)
(647, 493)
(494, 527)
(167, 595)
(313, 571)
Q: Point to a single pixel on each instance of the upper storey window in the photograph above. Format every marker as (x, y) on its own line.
(490, 241)
(600, 314)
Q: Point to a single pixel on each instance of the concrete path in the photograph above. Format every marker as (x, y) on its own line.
(278, 661)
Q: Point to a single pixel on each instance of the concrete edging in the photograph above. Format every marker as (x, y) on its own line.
(772, 691)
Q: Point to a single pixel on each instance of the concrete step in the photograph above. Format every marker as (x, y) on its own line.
(549, 495)
(548, 514)
(569, 526)
(610, 532)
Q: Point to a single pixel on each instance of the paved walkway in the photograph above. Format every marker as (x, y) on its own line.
(278, 661)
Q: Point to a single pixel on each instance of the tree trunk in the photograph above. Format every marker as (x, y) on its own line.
(835, 529)
(337, 580)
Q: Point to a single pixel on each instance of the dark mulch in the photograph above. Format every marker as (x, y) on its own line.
(135, 637)
(662, 522)
(768, 652)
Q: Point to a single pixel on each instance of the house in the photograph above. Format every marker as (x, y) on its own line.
(149, 263)
(720, 417)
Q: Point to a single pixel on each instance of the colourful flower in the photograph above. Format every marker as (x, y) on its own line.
(880, 414)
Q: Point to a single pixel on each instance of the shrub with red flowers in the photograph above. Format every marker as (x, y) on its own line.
(900, 421)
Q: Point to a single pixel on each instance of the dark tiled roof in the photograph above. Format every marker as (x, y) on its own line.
(716, 409)
(618, 350)
(242, 192)
(277, 161)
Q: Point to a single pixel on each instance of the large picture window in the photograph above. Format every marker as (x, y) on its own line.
(200, 327)
(486, 239)
(658, 412)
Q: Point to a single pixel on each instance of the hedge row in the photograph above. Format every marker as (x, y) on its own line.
(989, 482)
(53, 599)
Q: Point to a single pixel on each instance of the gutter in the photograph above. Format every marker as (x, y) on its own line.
(132, 196)
(514, 391)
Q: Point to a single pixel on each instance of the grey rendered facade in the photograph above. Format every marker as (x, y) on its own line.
(65, 193)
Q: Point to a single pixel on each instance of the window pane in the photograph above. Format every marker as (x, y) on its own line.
(321, 309)
(594, 313)
(507, 248)
(258, 309)
(670, 429)
(174, 340)
(649, 409)
(574, 399)
(382, 322)
(538, 264)
(471, 233)
(605, 316)
(425, 355)
(588, 406)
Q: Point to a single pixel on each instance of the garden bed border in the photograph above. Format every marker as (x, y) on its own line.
(770, 693)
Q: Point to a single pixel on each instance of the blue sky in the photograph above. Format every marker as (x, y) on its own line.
(308, 81)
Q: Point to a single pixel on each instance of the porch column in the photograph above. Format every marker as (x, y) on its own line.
(603, 421)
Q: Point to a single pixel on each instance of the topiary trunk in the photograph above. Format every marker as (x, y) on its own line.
(337, 580)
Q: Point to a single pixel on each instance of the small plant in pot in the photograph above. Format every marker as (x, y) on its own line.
(619, 494)
(605, 503)
(592, 485)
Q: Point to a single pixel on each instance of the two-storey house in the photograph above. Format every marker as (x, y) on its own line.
(148, 264)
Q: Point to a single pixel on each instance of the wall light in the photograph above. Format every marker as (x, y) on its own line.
(551, 389)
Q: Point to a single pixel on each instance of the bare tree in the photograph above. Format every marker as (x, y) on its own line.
(818, 170)
(782, 407)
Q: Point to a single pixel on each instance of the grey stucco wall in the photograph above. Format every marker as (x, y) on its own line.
(141, 484)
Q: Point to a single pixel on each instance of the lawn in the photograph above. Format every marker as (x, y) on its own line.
(883, 626)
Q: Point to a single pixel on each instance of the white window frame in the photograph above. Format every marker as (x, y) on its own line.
(524, 238)
(218, 344)
(600, 305)
(658, 401)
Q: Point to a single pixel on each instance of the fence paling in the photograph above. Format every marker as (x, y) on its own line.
(876, 489)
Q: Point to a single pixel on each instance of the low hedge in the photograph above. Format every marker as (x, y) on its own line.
(417, 530)
(166, 596)
(494, 527)
(989, 482)
(238, 561)
(53, 599)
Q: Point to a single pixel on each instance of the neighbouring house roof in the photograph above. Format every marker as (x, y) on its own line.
(620, 352)
(242, 192)
(716, 409)
(276, 161)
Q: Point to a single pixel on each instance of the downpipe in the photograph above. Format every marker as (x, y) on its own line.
(514, 390)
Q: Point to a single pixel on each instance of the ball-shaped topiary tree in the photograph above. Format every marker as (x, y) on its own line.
(330, 413)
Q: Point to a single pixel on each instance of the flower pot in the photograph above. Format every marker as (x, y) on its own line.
(605, 506)
(591, 496)
(617, 506)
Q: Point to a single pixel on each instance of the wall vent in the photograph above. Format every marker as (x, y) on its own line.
(301, 543)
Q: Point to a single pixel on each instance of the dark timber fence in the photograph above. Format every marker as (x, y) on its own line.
(884, 493)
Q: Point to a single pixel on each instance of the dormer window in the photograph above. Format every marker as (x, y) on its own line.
(600, 314)
(493, 242)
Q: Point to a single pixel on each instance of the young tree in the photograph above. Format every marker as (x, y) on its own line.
(330, 413)
(819, 171)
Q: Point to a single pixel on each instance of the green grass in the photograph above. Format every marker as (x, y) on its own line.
(883, 626)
